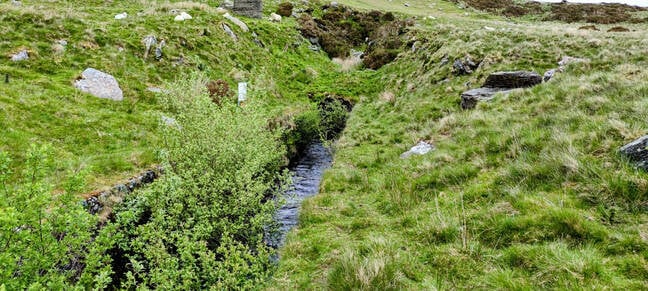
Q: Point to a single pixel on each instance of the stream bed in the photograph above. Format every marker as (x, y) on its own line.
(306, 175)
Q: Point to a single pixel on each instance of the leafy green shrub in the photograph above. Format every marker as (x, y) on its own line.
(43, 236)
(334, 115)
(203, 223)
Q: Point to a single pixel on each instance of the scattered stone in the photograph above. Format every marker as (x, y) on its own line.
(20, 56)
(465, 67)
(548, 75)
(489, 28)
(120, 16)
(149, 41)
(618, 29)
(237, 21)
(229, 31)
(221, 10)
(460, 69)
(419, 149)
(99, 84)
(274, 17)
(62, 42)
(511, 80)
(183, 16)
(406, 4)
(285, 9)
(314, 48)
(334, 4)
(589, 27)
(249, 8)
(16, 3)
(637, 152)
(256, 40)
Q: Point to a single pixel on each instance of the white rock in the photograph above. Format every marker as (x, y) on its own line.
(489, 28)
(122, 15)
(20, 56)
(221, 10)
(183, 16)
(237, 21)
(99, 84)
(407, 5)
(420, 149)
(274, 17)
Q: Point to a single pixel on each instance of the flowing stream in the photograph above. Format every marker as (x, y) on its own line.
(306, 176)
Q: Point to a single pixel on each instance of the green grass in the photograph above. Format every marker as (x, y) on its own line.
(527, 191)
(113, 140)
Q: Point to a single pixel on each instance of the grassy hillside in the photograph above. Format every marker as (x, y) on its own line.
(526, 191)
(113, 140)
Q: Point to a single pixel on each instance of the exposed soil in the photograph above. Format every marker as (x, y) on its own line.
(605, 13)
(340, 29)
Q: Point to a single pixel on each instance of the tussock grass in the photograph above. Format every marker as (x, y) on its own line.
(526, 191)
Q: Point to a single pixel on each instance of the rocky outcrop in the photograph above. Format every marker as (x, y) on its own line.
(499, 82)
(637, 152)
(249, 8)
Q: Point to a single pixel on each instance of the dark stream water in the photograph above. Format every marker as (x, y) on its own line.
(306, 177)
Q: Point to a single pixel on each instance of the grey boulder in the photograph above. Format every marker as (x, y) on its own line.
(637, 152)
(99, 84)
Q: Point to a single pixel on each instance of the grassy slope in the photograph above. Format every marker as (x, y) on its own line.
(526, 191)
(112, 140)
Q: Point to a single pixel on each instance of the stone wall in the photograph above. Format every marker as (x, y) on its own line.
(249, 8)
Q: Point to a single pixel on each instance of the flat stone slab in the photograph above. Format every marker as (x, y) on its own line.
(637, 152)
(99, 84)
(511, 80)
(470, 98)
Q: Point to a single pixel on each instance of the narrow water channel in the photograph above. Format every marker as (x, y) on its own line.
(306, 177)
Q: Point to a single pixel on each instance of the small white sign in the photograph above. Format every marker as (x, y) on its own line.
(242, 91)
